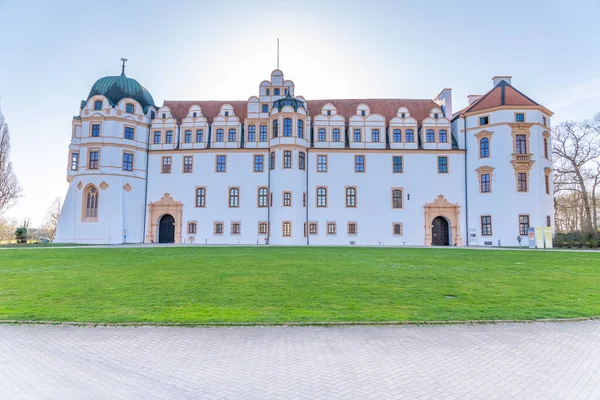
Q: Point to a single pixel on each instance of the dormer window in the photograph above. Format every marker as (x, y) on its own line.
(363, 113)
(484, 120)
(164, 116)
(435, 116)
(194, 115)
(152, 114)
(403, 115)
(227, 113)
(268, 92)
(328, 112)
(129, 108)
(98, 105)
(276, 92)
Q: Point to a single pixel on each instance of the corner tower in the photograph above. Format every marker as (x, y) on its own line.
(107, 164)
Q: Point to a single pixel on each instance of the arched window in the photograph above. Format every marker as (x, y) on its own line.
(188, 136)
(90, 198)
(234, 197)
(443, 135)
(397, 229)
(272, 160)
(357, 135)
(410, 136)
(336, 135)
(300, 128)
(287, 159)
(219, 135)
(232, 135)
(287, 127)
(321, 135)
(169, 137)
(396, 198)
(546, 147)
(430, 136)
(156, 137)
(301, 160)
(350, 197)
(275, 128)
(397, 135)
(201, 197)
(484, 147)
(251, 133)
(321, 197)
(375, 135)
(262, 197)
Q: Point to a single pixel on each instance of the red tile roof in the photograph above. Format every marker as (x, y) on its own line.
(418, 108)
(503, 94)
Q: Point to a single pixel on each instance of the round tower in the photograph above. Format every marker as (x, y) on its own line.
(107, 164)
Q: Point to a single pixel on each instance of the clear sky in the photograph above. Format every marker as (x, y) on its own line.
(51, 53)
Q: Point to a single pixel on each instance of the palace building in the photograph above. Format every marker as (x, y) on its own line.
(282, 169)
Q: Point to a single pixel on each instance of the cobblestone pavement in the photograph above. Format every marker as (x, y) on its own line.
(506, 361)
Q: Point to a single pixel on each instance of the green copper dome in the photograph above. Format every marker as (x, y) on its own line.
(116, 88)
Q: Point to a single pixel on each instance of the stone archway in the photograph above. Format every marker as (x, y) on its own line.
(156, 210)
(441, 207)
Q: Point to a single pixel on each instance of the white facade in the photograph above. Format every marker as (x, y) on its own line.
(280, 169)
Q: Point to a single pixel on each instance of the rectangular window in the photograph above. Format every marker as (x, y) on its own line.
(251, 133)
(262, 228)
(218, 228)
(321, 135)
(98, 105)
(276, 92)
(232, 133)
(192, 227)
(265, 107)
(287, 199)
(442, 165)
(522, 182)
(331, 228)
(375, 135)
(221, 163)
(129, 108)
(484, 120)
(199, 136)
(351, 228)
(263, 133)
(236, 228)
(410, 136)
(74, 161)
(258, 163)
(313, 228)
(93, 163)
(359, 163)
(357, 135)
(166, 165)
(397, 228)
(127, 162)
(443, 135)
(523, 224)
(156, 137)
(287, 228)
(304, 199)
(336, 135)
(96, 130)
(547, 182)
(129, 132)
(548, 221)
(321, 163)
(287, 159)
(485, 183)
(302, 160)
(169, 137)
(520, 117)
(219, 135)
(486, 225)
(188, 164)
(521, 144)
(188, 137)
(396, 198)
(397, 164)
(272, 161)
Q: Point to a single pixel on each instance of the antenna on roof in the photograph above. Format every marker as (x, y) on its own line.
(277, 53)
(123, 66)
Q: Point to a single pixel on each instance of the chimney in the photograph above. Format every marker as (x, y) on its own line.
(497, 79)
(444, 100)
(472, 98)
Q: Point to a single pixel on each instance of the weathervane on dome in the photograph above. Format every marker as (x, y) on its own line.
(123, 66)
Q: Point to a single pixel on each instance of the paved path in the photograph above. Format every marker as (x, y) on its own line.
(508, 361)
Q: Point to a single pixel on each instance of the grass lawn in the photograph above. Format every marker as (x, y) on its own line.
(300, 284)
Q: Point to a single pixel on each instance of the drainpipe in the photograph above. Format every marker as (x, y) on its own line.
(306, 170)
(466, 185)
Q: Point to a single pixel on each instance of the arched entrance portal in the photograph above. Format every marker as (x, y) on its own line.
(166, 229)
(440, 235)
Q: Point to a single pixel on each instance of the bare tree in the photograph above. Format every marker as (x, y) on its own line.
(51, 219)
(7, 230)
(577, 148)
(10, 190)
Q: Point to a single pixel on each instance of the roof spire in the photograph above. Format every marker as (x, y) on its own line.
(123, 66)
